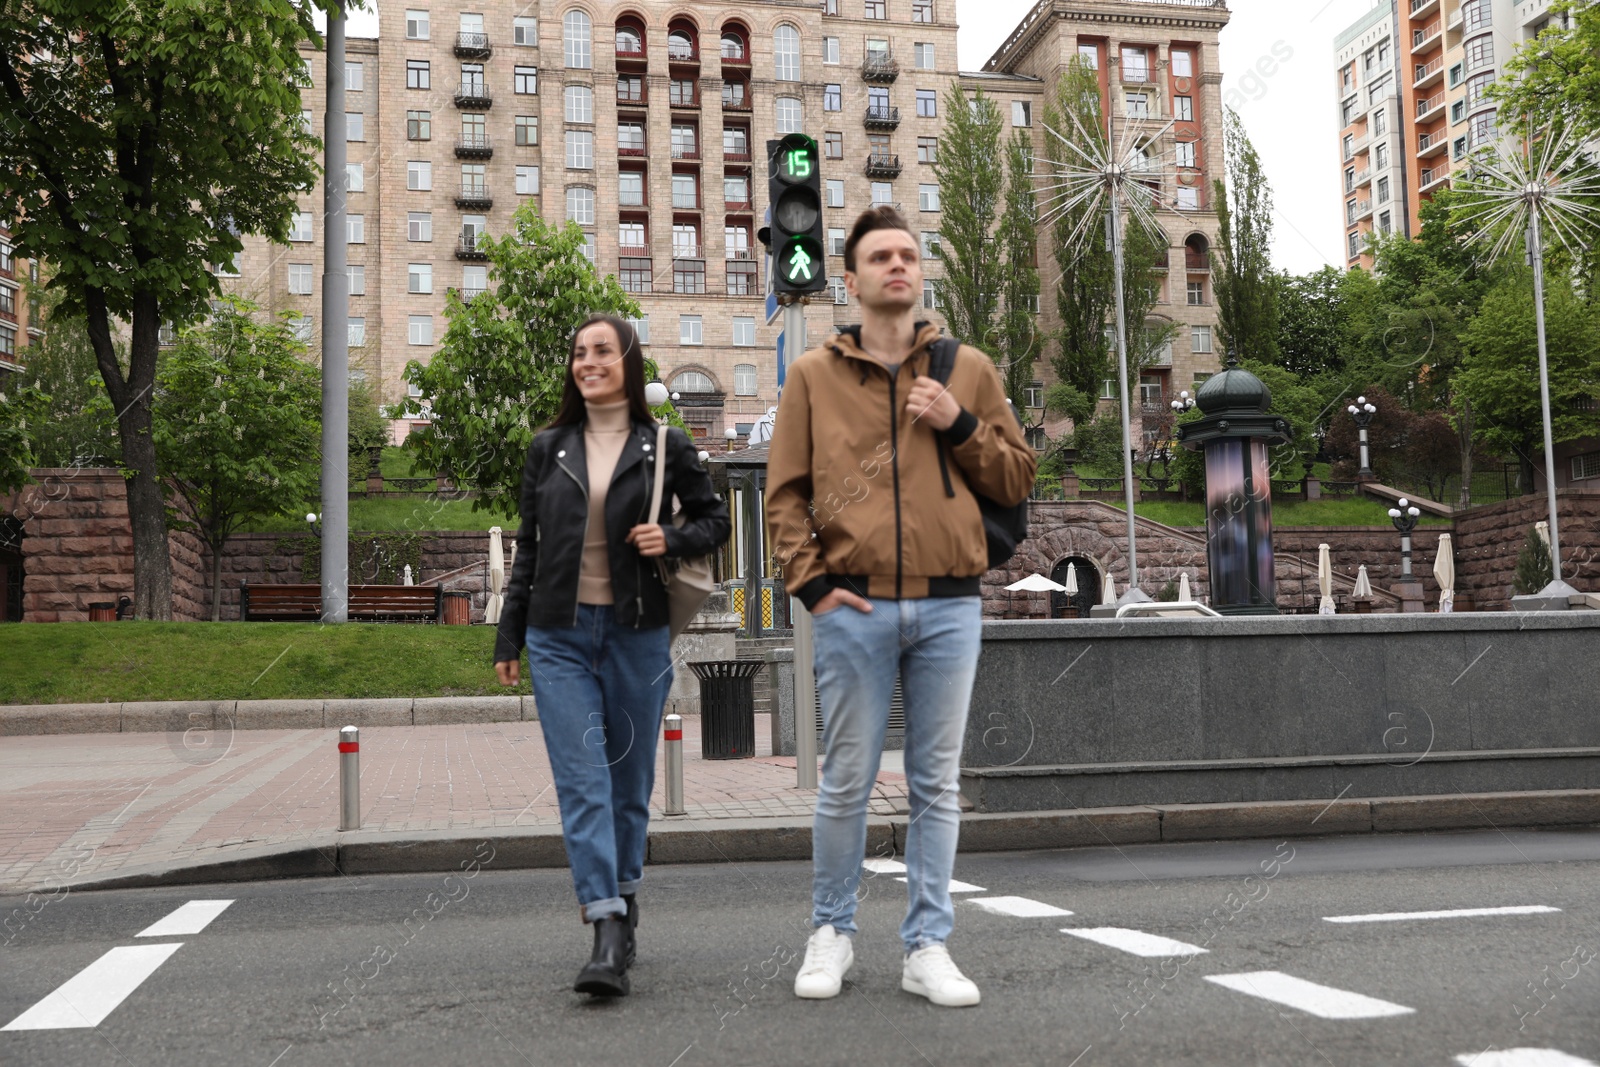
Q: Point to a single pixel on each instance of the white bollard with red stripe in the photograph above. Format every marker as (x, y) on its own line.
(349, 778)
(673, 736)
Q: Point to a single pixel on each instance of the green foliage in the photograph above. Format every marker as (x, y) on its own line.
(1298, 403)
(971, 172)
(1500, 369)
(1066, 399)
(1554, 80)
(1535, 570)
(1188, 465)
(498, 375)
(237, 424)
(1314, 326)
(1019, 341)
(374, 558)
(79, 428)
(1099, 441)
(369, 430)
(1169, 592)
(1246, 287)
(21, 408)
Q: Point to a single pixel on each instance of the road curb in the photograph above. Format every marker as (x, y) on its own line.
(756, 840)
(31, 720)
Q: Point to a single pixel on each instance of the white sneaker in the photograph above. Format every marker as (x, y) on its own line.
(828, 955)
(930, 972)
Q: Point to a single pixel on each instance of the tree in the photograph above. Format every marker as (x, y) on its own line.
(1018, 343)
(78, 427)
(237, 427)
(369, 430)
(1500, 369)
(498, 375)
(971, 171)
(1245, 285)
(22, 408)
(1554, 80)
(1313, 322)
(138, 141)
(1535, 570)
(1086, 292)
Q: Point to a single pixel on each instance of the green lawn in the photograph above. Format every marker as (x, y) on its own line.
(1350, 511)
(96, 662)
(417, 512)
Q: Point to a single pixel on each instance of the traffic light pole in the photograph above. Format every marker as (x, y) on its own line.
(805, 675)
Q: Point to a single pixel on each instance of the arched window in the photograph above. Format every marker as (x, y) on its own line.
(680, 44)
(693, 381)
(575, 39)
(1196, 252)
(744, 379)
(732, 45)
(786, 53)
(630, 42)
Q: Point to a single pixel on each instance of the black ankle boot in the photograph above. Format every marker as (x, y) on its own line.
(606, 973)
(632, 902)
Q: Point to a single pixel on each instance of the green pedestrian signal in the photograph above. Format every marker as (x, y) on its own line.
(794, 190)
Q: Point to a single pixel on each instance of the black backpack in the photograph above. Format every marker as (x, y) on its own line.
(1003, 527)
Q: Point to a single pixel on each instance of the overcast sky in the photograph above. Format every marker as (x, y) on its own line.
(1277, 62)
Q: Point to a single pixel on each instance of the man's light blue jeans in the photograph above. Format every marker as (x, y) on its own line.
(933, 645)
(600, 687)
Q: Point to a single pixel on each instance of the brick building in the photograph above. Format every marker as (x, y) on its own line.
(19, 308)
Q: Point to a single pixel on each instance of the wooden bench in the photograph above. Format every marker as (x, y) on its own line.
(373, 603)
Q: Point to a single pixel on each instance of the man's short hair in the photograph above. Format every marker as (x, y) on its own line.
(876, 217)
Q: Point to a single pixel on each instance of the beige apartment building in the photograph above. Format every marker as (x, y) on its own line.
(1159, 73)
(644, 123)
(1412, 82)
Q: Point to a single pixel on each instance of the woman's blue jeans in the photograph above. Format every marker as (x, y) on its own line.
(600, 687)
(933, 646)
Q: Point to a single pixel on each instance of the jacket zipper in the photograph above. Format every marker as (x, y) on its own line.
(894, 466)
(585, 490)
(638, 563)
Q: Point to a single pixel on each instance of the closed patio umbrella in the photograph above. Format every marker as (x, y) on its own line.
(1363, 584)
(497, 577)
(1324, 580)
(1183, 587)
(1109, 595)
(1444, 571)
(406, 578)
(1072, 579)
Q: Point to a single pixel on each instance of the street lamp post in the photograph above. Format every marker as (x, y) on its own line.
(1183, 403)
(1405, 520)
(1362, 412)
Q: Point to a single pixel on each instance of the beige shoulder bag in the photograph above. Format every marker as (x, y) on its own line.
(688, 581)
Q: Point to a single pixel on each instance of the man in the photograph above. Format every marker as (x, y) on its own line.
(870, 480)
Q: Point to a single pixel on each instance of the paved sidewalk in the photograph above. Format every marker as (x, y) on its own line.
(85, 807)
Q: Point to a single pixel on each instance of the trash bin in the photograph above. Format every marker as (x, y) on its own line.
(727, 707)
(102, 611)
(457, 607)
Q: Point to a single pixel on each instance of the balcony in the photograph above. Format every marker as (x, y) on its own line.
(636, 251)
(474, 148)
(1357, 146)
(881, 118)
(686, 151)
(683, 253)
(741, 103)
(1426, 108)
(1358, 180)
(1422, 7)
(678, 52)
(474, 96)
(1433, 176)
(474, 196)
(739, 207)
(735, 57)
(882, 165)
(473, 45)
(880, 67)
(467, 247)
(632, 99)
(1431, 144)
(1425, 74)
(1362, 210)
(1453, 23)
(631, 52)
(736, 155)
(1424, 38)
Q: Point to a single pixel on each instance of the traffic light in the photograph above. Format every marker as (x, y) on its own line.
(794, 191)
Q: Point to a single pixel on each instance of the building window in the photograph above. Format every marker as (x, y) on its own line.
(1021, 113)
(683, 92)
(355, 177)
(685, 240)
(689, 334)
(744, 374)
(580, 205)
(356, 273)
(744, 336)
(930, 295)
(416, 25)
(833, 144)
(419, 329)
(1380, 123)
(527, 130)
(927, 103)
(1385, 223)
(875, 9)
(930, 244)
(525, 31)
(300, 328)
(419, 278)
(418, 74)
(1089, 56)
(575, 39)
(355, 126)
(685, 192)
(355, 331)
(580, 149)
(685, 142)
(1135, 65)
(832, 97)
(1197, 293)
(1383, 190)
(927, 198)
(1033, 396)
(299, 280)
(299, 229)
(922, 56)
(1182, 63)
(789, 115)
(631, 239)
(630, 188)
(580, 103)
(830, 50)
(834, 189)
(921, 10)
(527, 180)
(1183, 108)
(1200, 339)
(1355, 245)
(419, 125)
(736, 189)
(882, 193)
(927, 149)
(474, 280)
(1380, 156)
(786, 53)
(419, 226)
(1136, 105)
(1185, 153)
(688, 275)
(736, 242)
(1188, 198)
(841, 295)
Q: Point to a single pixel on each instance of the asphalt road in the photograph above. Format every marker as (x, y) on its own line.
(478, 969)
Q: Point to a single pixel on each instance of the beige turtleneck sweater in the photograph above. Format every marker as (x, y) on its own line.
(604, 434)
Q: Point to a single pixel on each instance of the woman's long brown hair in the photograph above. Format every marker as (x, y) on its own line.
(572, 410)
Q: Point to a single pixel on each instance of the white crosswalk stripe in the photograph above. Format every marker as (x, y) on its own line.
(1136, 942)
(94, 992)
(960, 887)
(878, 866)
(1451, 913)
(189, 919)
(1323, 1001)
(1020, 907)
(1522, 1057)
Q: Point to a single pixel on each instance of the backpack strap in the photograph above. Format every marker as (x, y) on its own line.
(942, 358)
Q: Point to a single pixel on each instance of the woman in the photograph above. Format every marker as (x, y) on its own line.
(587, 600)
